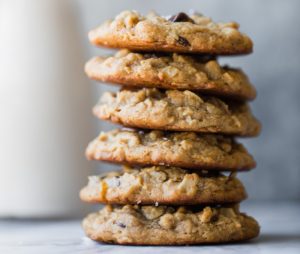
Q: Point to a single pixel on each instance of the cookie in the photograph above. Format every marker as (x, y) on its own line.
(180, 33)
(162, 225)
(174, 110)
(171, 71)
(178, 149)
(163, 185)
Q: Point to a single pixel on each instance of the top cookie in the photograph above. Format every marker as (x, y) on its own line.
(179, 33)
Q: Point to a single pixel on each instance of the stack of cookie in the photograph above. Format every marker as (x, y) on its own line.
(180, 110)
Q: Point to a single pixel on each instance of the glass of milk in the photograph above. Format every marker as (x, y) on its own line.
(45, 104)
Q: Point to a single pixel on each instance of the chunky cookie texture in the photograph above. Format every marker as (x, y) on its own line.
(179, 149)
(192, 34)
(150, 108)
(171, 71)
(163, 185)
(163, 225)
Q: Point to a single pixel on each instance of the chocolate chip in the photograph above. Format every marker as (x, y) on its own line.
(121, 225)
(183, 41)
(181, 17)
(214, 218)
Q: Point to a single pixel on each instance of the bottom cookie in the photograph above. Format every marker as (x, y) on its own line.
(166, 225)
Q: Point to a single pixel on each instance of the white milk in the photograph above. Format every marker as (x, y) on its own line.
(45, 105)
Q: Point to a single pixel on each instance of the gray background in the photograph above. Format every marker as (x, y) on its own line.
(274, 68)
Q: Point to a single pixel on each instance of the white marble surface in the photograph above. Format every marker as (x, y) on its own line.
(280, 233)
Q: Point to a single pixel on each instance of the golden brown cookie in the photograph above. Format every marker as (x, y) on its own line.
(178, 149)
(163, 185)
(161, 225)
(171, 71)
(174, 110)
(180, 33)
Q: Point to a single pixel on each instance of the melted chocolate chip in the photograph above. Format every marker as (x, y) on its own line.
(121, 225)
(183, 41)
(181, 17)
(214, 218)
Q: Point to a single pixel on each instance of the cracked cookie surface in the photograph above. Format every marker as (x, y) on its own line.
(179, 149)
(164, 225)
(195, 34)
(171, 71)
(163, 185)
(174, 110)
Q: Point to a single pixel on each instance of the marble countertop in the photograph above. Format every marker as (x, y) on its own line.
(280, 233)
